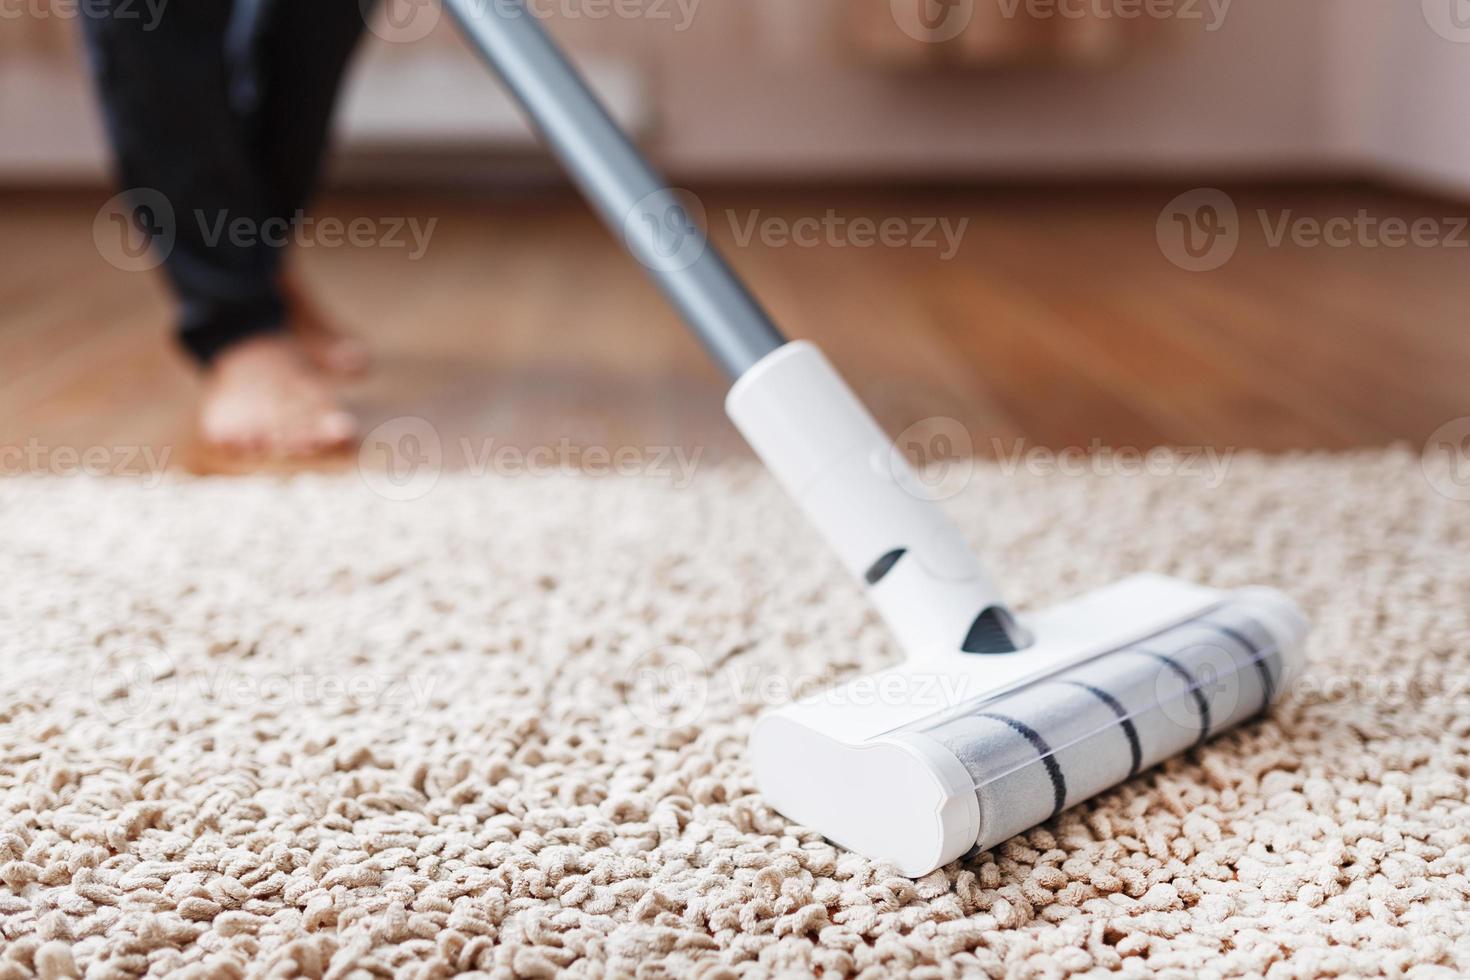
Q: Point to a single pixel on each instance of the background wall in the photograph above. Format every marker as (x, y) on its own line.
(769, 89)
(1178, 103)
(1400, 75)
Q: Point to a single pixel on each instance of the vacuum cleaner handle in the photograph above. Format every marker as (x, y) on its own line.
(630, 196)
(789, 403)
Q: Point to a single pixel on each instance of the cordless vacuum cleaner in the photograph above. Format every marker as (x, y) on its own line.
(996, 722)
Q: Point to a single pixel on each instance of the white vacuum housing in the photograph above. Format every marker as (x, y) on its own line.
(995, 722)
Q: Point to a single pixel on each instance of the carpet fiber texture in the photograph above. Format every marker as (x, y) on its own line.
(295, 729)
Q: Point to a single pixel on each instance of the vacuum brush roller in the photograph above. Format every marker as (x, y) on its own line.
(928, 761)
(1054, 743)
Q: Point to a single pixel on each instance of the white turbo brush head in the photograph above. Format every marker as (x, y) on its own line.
(996, 722)
(927, 761)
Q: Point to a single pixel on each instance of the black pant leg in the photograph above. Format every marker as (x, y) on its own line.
(165, 87)
(303, 50)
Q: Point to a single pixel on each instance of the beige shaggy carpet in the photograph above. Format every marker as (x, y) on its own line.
(262, 729)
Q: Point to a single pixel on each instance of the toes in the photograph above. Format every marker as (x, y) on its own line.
(294, 441)
(293, 434)
(337, 429)
(227, 436)
(263, 400)
(317, 433)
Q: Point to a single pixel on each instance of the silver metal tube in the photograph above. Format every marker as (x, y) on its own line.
(653, 222)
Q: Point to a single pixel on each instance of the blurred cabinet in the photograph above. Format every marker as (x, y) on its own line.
(985, 33)
(866, 89)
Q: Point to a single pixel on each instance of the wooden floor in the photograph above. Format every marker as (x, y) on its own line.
(1059, 322)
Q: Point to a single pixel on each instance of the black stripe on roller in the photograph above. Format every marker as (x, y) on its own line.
(1268, 685)
(1200, 701)
(1134, 745)
(1053, 768)
(884, 565)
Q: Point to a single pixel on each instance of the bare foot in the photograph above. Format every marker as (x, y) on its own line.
(262, 398)
(325, 344)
